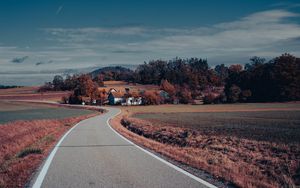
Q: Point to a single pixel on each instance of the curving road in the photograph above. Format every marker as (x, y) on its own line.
(91, 154)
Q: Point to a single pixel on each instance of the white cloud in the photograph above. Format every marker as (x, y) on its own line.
(267, 34)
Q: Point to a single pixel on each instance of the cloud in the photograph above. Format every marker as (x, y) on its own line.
(43, 62)
(88, 34)
(59, 9)
(19, 59)
(266, 33)
(242, 38)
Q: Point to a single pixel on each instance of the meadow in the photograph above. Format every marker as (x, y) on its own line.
(12, 111)
(246, 145)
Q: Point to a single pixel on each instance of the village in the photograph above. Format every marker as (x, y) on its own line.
(121, 93)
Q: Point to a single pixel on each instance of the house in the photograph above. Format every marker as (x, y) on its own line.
(85, 100)
(197, 101)
(131, 101)
(112, 90)
(163, 94)
(115, 98)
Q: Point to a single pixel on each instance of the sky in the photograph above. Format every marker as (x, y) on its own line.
(42, 38)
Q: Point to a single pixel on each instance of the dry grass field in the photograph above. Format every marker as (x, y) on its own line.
(248, 145)
(30, 93)
(121, 85)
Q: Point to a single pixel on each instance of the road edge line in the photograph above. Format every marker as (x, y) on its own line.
(39, 180)
(160, 159)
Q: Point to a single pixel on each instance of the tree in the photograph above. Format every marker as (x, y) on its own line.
(102, 96)
(58, 82)
(99, 80)
(151, 97)
(234, 94)
(48, 86)
(85, 86)
(70, 82)
(245, 95)
(254, 62)
(222, 72)
(184, 95)
(236, 68)
(169, 88)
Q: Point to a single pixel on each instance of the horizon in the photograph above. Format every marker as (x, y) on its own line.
(42, 39)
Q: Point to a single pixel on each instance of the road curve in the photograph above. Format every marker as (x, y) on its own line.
(93, 155)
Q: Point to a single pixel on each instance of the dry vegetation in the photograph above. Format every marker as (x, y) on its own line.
(31, 93)
(121, 85)
(243, 161)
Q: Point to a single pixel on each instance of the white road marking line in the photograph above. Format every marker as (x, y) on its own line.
(39, 180)
(160, 159)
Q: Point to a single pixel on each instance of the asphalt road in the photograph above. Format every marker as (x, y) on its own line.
(93, 155)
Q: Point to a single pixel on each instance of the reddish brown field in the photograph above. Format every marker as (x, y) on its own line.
(30, 93)
(120, 86)
(243, 161)
(16, 166)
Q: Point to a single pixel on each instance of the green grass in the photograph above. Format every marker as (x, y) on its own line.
(275, 126)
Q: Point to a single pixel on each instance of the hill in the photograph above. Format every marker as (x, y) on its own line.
(113, 73)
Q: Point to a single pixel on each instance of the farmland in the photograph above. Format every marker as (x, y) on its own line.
(121, 85)
(31, 93)
(248, 145)
(12, 111)
(275, 126)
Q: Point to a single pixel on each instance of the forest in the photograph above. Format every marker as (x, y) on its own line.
(258, 80)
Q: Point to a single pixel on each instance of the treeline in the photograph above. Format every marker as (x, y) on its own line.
(116, 73)
(9, 87)
(71, 82)
(81, 85)
(189, 79)
(261, 81)
(257, 81)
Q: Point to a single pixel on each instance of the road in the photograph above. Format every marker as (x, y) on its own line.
(93, 155)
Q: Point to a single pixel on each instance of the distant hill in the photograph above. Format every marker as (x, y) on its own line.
(8, 87)
(113, 73)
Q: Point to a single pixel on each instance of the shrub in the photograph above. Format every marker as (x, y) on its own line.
(234, 93)
(209, 99)
(28, 151)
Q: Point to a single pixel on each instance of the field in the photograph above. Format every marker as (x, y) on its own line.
(274, 126)
(12, 111)
(247, 145)
(28, 132)
(120, 86)
(31, 93)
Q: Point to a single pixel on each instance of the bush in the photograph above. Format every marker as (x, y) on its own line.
(209, 99)
(74, 99)
(65, 100)
(234, 94)
(28, 151)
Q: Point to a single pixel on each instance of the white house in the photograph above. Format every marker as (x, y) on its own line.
(129, 101)
(115, 98)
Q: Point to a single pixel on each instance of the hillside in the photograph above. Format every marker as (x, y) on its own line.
(113, 73)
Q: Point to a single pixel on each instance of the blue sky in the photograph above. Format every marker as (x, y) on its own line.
(40, 38)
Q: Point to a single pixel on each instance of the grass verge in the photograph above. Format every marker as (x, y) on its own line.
(25, 144)
(242, 162)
